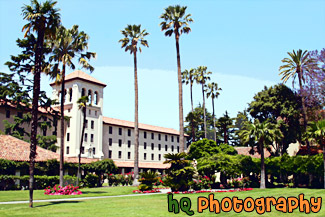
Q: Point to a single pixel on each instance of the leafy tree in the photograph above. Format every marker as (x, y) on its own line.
(316, 131)
(67, 45)
(278, 104)
(202, 76)
(180, 174)
(239, 122)
(132, 35)
(299, 64)
(213, 92)
(176, 22)
(225, 127)
(42, 19)
(263, 134)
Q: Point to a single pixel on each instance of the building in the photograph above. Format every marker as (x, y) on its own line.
(106, 137)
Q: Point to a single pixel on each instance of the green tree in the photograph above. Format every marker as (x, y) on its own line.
(68, 45)
(42, 19)
(82, 102)
(132, 35)
(225, 128)
(176, 22)
(316, 131)
(213, 92)
(201, 77)
(263, 134)
(299, 64)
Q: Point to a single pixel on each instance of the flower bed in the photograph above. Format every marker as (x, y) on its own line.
(59, 190)
(207, 191)
(155, 190)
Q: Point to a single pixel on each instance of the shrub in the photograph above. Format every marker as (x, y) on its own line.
(59, 190)
(91, 180)
(147, 180)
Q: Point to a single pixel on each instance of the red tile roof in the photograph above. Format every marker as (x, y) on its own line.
(78, 74)
(29, 108)
(246, 151)
(153, 165)
(15, 149)
(130, 124)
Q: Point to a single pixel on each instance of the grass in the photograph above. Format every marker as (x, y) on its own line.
(153, 205)
(86, 192)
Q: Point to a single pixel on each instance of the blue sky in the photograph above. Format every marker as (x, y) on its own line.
(241, 42)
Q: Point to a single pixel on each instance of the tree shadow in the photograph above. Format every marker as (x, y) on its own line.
(94, 192)
(58, 202)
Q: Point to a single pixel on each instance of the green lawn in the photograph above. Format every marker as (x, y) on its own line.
(152, 205)
(86, 192)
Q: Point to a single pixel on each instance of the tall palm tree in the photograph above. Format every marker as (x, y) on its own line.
(42, 20)
(176, 22)
(82, 102)
(263, 134)
(316, 131)
(132, 35)
(201, 77)
(68, 44)
(213, 92)
(299, 64)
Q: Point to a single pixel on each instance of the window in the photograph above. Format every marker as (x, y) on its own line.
(110, 129)
(89, 112)
(145, 135)
(178, 139)
(69, 110)
(152, 135)
(172, 148)
(92, 124)
(90, 97)
(129, 155)
(68, 149)
(159, 147)
(7, 114)
(166, 138)
(96, 98)
(145, 156)
(159, 156)
(20, 114)
(82, 150)
(65, 95)
(145, 145)
(110, 141)
(159, 136)
(70, 95)
(83, 91)
(129, 143)
(152, 146)
(44, 132)
(120, 131)
(172, 138)
(120, 154)
(96, 113)
(86, 123)
(86, 136)
(152, 156)
(68, 123)
(129, 132)
(120, 142)
(166, 148)
(68, 136)
(177, 149)
(110, 154)
(94, 151)
(91, 137)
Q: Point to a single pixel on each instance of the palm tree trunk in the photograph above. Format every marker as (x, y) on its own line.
(136, 123)
(62, 125)
(191, 90)
(214, 121)
(180, 96)
(36, 92)
(262, 186)
(81, 142)
(204, 116)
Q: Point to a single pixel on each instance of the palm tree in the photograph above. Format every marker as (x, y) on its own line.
(82, 102)
(299, 64)
(132, 35)
(201, 77)
(316, 131)
(213, 91)
(42, 19)
(68, 44)
(263, 134)
(177, 22)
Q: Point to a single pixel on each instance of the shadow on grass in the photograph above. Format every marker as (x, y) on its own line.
(94, 192)
(58, 202)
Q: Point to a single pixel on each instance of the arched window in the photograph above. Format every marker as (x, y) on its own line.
(70, 95)
(89, 97)
(96, 98)
(83, 92)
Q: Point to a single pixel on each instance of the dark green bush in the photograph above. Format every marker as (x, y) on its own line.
(90, 181)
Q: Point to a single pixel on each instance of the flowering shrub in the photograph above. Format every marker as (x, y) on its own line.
(206, 191)
(155, 190)
(59, 190)
(239, 182)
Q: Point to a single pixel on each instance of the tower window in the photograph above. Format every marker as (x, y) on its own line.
(145, 135)
(129, 132)
(96, 98)
(120, 131)
(110, 129)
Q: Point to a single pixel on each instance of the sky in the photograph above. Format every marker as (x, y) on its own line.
(241, 42)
